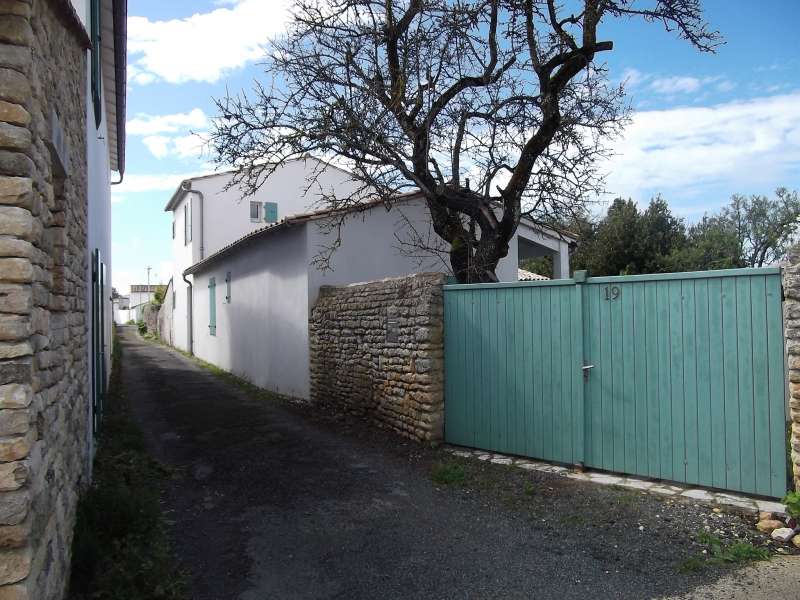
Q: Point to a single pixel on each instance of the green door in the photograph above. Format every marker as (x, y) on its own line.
(677, 376)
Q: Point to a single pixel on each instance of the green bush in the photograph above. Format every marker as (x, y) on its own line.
(142, 326)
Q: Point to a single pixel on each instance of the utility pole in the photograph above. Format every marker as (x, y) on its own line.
(148, 284)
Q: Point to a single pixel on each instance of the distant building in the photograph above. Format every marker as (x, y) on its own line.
(142, 294)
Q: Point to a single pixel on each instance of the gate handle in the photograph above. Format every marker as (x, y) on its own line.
(587, 367)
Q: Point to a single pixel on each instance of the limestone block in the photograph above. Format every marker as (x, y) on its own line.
(16, 270)
(15, 565)
(16, 191)
(14, 507)
(15, 7)
(16, 447)
(18, 60)
(13, 475)
(15, 395)
(13, 137)
(14, 113)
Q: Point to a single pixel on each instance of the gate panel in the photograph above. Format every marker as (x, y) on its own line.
(512, 363)
(688, 378)
(685, 381)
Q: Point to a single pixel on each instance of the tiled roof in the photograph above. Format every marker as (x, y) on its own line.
(523, 275)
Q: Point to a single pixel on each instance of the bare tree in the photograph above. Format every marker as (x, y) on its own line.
(494, 110)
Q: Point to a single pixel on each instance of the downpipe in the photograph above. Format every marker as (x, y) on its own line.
(189, 311)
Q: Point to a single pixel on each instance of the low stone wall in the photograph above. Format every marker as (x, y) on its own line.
(44, 372)
(791, 319)
(377, 350)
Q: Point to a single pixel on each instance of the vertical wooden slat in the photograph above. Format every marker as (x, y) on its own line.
(640, 393)
(703, 378)
(676, 381)
(730, 342)
(777, 387)
(628, 387)
(538, 370)
(593, 388)
(717, 352)
(518, 416)
(578, 400)
(653, 386)
(761, 397)
(564, 424)
(664, 382)
(745, 375)
(690, 410)
(527, 333)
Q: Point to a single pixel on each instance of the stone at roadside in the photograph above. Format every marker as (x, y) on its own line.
(784, 534)
(796, 540)
(769, 525)
(766, 516)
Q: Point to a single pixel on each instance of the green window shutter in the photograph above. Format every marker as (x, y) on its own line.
(96, 64)
(228, 287)
(212, 306)
(271, 212)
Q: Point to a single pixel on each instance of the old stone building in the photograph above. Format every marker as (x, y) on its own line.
(62, 105)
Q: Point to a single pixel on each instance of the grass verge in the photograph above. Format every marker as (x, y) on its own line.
(120, 549)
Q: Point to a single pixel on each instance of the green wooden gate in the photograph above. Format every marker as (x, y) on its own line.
(675, 376)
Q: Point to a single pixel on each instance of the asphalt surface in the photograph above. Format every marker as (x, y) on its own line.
(271, 501)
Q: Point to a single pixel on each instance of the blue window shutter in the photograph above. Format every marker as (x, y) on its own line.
(212, 306)
(271, 212)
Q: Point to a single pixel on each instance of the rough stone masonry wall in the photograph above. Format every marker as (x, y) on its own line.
(377, 350)
(43, 331)
(791, 322)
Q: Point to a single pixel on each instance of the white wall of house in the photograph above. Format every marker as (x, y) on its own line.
(183, 256)
(262, 333)
(225, 217)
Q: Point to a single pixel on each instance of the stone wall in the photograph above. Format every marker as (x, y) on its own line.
(377, 350)
(165, 314)
(791, 323)
(44, 382)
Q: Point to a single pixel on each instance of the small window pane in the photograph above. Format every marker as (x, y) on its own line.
(255, 211)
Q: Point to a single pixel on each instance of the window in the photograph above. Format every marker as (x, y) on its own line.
(228, 287)
(255, 211)
(187, 222)
(271, 212)
(173, 230)
(96, 66)
(212, 306)
(173, 299)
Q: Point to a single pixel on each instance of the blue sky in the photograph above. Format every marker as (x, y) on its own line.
(704, 126)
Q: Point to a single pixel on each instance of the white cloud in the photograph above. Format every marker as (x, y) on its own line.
(138, 183)
(144, 124)
(685, 150)
(204, 46)
(676, 85)
(157, 144)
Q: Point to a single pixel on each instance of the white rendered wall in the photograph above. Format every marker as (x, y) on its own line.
(371, 248)
(183, 256)
(262, 334)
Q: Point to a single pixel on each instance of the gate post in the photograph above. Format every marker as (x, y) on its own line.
(791, 320)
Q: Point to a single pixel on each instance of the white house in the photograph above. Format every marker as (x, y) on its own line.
(246, 284)
(141, 294)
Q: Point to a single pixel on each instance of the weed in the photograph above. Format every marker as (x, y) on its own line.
(528, 488)
(120, 549)
(448, 473)
(720, 553)
(792, 502)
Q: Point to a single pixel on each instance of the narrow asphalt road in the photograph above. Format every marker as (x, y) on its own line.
(268, 502)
